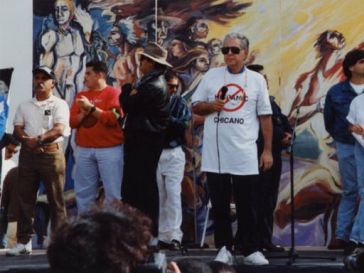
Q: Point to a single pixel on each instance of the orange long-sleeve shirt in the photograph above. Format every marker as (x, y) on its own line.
(106, 132)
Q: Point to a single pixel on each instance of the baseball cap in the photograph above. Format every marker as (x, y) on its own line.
(46, 70)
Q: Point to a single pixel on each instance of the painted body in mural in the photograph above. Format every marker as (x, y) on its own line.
(63, 47)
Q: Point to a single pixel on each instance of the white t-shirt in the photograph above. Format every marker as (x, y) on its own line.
(238, 123)
(358, 88)
(40, 116)
(356, 115)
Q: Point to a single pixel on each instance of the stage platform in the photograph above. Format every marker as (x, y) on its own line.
(308, 261)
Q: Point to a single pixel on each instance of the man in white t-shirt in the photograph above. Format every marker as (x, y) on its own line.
(40, 124)
(356, 126)
(235, 102)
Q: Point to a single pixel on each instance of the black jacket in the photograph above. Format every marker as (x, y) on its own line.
(146, 111)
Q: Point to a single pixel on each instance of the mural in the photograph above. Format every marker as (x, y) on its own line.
(300, 43)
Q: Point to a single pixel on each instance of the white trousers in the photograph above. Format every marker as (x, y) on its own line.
(170, 173)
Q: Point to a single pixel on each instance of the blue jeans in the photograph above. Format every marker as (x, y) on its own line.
(357, 233)
(348, 203)
(93, 165)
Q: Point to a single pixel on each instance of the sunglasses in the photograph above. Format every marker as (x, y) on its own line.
(234, 49)
(173, 86)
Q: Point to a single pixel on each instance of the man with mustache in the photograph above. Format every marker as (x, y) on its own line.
(40, 124)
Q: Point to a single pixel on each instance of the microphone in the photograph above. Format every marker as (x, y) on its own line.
(223, 91)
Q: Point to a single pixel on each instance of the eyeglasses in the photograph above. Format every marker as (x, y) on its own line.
(234, 49)
(174, 86)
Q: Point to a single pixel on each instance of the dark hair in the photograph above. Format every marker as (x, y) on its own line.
(170, 74)
(98, 67)
(351, 59)
(220, 267)
(255, 67)
(189, 265)
(113, 239)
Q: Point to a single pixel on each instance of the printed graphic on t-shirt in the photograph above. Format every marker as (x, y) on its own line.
(235, 97)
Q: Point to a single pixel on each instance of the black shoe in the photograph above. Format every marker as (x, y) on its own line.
(270, 247)
(164, 245)
(350, 247)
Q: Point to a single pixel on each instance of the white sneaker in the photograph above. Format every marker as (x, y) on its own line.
(256, 258)
(224, 256)
(20, 249)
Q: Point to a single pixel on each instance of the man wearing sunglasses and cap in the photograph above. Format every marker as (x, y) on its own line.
(235, 102)
(146, 107)
(40, 124)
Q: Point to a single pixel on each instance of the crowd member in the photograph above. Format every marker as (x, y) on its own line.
(188, 265)
(40, 124)
(146, 107)
(356, 125)
(113, 239)
(99, 138)
(221, 267)
(171, 167)
(269, 180)
(235, 101)
(337, 103)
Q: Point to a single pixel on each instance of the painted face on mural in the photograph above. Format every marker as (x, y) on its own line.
(177, 48)
(200, 29)
(335, 40)
(235, 60)
(215, 47)
(62, 12)
(202, 63)
(115, 37)
(162, 30)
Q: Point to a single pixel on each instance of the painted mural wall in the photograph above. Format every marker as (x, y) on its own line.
(300, 43)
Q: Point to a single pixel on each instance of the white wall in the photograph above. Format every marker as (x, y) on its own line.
(16, 31)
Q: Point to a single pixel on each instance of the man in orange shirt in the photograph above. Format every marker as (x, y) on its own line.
(99, 138)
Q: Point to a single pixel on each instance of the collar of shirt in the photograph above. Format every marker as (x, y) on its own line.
(41, 103)
(241, 70)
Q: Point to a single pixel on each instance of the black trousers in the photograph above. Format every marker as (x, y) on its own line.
(139, 187)
(269, 186)
(243, 188)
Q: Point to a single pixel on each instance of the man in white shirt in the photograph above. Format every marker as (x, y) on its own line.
(40, 124)
(236, 103)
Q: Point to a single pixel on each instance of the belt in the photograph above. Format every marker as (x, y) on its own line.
(49, 148)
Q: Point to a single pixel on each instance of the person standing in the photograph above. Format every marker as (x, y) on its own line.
(146, 107)
(235, 102)
(40, 124)
(269, 180)
(99, 138)
(171, 168)
(337, 104)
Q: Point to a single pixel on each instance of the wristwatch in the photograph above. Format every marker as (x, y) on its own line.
(93, 109)
(39, 140)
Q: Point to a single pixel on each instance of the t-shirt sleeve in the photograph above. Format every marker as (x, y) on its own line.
(62, 116)
(263, 103)
(19, 117)
(351, 117)
(201, 93)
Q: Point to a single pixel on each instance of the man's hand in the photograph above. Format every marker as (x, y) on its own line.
(357, 129)
(217, 105)
(10, 150)
(266, 161)
(84, 103)
(30, 142)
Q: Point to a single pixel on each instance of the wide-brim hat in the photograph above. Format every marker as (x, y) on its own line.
(156, 53)
(46, 70)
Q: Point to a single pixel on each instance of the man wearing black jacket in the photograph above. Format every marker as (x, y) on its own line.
(146, 107)
(269, 180)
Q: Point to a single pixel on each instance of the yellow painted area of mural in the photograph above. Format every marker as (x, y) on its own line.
(284, 32)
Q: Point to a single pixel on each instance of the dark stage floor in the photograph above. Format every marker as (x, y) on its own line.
(308, 261)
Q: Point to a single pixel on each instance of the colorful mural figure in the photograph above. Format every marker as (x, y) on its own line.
(69, 33)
